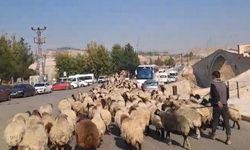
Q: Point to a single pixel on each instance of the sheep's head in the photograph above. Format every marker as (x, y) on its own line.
(131, 109)
(124, 117)
(36, 113)
(157, 112)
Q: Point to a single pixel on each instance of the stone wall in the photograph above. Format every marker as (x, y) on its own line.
(229, 64)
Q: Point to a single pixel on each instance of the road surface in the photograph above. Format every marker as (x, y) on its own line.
(240, 138)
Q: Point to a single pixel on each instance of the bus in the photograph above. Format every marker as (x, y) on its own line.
(145, 72)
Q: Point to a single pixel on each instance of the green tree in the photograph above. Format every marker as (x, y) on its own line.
(98, 59)
(15, 58)
(159, 62)
(23, 58)
(66, 63)
(6, 59)
(169, 62)
(124, 58)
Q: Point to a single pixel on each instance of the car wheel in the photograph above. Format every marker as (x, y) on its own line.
(72, 87)
(24, 95)
(9, 98)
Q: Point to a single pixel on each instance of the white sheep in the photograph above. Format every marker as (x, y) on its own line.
(14, 131)
(48, 108)
(98, 121)
(35, 138)
(131, 131)
(64, 104)
(71, 117)
(234, 115)
(61, 132)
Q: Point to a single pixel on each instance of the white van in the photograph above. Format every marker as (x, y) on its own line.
(74, 81)
(89, 78)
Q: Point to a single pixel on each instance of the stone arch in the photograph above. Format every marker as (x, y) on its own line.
(221, 64)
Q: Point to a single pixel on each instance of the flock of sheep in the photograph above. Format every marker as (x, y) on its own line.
(88, 116)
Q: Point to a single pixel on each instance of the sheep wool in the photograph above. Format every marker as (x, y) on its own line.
(35, 138)
(64, 104)
(131, 131)
(98, 121)
(87, 135)
(48, 108)
(14, 132)
(61, 133)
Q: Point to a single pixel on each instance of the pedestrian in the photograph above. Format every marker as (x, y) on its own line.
(219, 94)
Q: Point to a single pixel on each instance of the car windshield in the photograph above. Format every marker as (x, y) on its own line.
(39, 85)
(101, 77)
(72, 79)
(144, 73)
(151, 83)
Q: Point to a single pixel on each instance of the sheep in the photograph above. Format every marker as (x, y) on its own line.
(193, 117)
(48, 121)
(25, 115)
(175, 123)
(131, 131)
(71, 117)
(48, 108)
(234, 115)
(118, 115)
(87, 135)
(61, 132)
(98, 121)
(142, 115)
(35, 118)
(105, 115)
(14, 131)
(64, 104)
(35, 138)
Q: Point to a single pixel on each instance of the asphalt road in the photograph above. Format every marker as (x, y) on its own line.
(240, 138)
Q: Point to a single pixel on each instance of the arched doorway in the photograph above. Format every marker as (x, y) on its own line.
(224, 67)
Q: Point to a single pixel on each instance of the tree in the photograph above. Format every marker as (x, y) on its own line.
(6, 59)
(170, 61)
(124, 58)
(66, 63)
(15, 58)
(159, 62)
(23, 58)
(98, 59)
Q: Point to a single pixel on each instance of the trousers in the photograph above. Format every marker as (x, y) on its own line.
(217, 112)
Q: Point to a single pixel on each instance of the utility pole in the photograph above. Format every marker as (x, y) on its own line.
(40, 54)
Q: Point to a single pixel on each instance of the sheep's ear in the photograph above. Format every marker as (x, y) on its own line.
(73, 96)
(157, 112)
(51, 105)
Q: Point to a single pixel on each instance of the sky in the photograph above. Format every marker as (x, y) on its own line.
(149, 25)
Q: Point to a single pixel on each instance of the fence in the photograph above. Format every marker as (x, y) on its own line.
(238, 88)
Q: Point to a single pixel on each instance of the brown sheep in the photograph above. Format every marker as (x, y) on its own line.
(87, 135)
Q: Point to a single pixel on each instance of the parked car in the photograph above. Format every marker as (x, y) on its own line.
(61, 86)
(102, 79)
(42, 88)
(150, 85)
(23, 90)
(5, 93)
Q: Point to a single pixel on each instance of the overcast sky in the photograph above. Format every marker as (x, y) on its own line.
(162, 25)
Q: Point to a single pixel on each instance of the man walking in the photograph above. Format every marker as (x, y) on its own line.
(219, 94)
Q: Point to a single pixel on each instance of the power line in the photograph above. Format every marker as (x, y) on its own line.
(40, 54)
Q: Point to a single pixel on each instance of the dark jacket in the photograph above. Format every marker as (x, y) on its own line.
(218, 92)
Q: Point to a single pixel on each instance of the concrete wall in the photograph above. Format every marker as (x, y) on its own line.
(229, 64)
